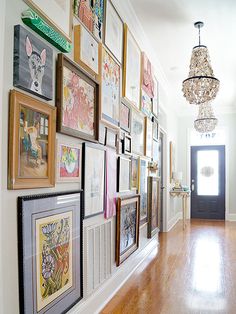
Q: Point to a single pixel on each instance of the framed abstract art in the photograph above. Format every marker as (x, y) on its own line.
(125, 115)
(127, 227)
(143, 186)
(93, 183)
(32, 125)
(131, 69)
(111, 174)
(33, 64)
(77, 101)
(137, 132)
(69, 157)
(50, 252)
(124, 175)
(148, 137)
(147, 76)
(153, 206)
(57, 13)
(110, 95)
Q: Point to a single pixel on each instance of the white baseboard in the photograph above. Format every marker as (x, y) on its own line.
(231, 217)
(174, 221)
(97, 301)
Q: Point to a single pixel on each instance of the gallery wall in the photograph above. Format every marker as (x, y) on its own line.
(8, 213)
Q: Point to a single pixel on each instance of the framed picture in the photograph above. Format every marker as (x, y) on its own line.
(91, 14)
(146, 104)
(69, 156)
(87, 51)
(102, 134)
(132, 69)
(127, 145)
(125, 115)
(143, 175)
(110, 98)
(31, 143)
(57, 13)
(111, 174)
(111, 137)
(93, 179)
(155, 128)
(77, 101)
(153, 206)
(114, 31)
(134, 173)
(127, 227)
(50, 252)
(148, 137)
(147, 76)
(124, 174)
(155, 151)
(155, 100)
(172, 161)
(137, 132)
(33, 64)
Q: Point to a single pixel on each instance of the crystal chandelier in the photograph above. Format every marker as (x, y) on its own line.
(206, 120)
(201, 86)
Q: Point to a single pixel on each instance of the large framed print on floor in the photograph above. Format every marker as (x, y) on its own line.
(50, 252)
(93, 182)
(127, 227)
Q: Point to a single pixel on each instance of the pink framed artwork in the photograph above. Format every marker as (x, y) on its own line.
(147, 76)
(125, 116)
(111, 173)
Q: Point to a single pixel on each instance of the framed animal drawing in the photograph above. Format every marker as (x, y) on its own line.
(33, 64)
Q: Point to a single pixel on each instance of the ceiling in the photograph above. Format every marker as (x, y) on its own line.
(169, 27)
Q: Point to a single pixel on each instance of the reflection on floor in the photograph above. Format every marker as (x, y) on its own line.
(194, 272)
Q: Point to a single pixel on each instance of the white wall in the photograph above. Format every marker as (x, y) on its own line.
(8, 212)
(226, 121)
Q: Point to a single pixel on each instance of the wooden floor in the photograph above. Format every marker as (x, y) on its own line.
(193, 272)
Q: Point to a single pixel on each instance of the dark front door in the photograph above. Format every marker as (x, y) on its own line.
(208, 182)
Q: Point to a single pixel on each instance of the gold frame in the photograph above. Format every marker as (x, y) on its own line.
(150, 232)
(144, 220)
(14, 180)
(40, 12)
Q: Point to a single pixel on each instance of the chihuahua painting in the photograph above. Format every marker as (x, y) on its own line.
(33, 64)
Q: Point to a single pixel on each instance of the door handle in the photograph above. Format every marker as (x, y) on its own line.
(162, 188)
(192, 188)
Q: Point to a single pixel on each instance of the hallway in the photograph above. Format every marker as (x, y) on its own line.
(194, 272)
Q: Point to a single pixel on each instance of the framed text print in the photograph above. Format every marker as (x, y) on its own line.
(50, 252)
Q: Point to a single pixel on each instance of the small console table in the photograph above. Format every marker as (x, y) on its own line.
(184, 195)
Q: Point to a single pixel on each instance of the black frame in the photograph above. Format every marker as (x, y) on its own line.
(127, 138)
(99, 147)
(21, 249)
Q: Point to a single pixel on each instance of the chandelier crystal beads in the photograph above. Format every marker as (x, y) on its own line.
(206, 120)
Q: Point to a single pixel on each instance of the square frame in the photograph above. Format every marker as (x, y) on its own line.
(152, 203)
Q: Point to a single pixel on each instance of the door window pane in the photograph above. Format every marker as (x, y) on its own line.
(208, 172)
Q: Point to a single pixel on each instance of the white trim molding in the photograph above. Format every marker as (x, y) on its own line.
(173, 221)
(230, 217)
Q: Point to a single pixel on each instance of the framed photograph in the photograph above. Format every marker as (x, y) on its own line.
(137, 132)
(127, 227)
(87, 51)
(77, 101)
(148, 137)
(172, 161)
(33, 64)
(50, 252)
(91, 14)
(156, 151)
(125, 115)
(153, 206)
(69, 156)
(111, 138)
(57, 13)
(134, 173)
(127, 145)
(31, 143)
(146, 104)
(110, 97)
(155, 128)
(155, 100)
(114, 31)
(93, 179)
(111, 174)
(147, 76)
(143, 175)
(132, 69)
(124, 174)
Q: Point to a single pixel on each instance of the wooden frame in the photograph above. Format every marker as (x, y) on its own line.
(121, 177)
(148, 137)
(153, 206)
(78, 32)
(49, 19)
(112, 143)
(127, 145)
(17, 125)
(67, 63)
(135, 103)
(134, 173)
(38, 216)
(142, 189)
(121, 256)
(126, 128)
(96, 183)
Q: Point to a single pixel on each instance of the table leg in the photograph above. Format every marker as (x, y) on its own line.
(183, 209)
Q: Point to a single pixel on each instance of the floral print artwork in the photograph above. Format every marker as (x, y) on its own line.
(54, 258)
(78, 103)
(69, 161)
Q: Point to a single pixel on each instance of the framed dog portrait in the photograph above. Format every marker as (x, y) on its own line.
(50, 235)
(33, 64)
(31, 143)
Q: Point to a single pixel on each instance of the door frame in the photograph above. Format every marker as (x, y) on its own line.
(227, 170)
